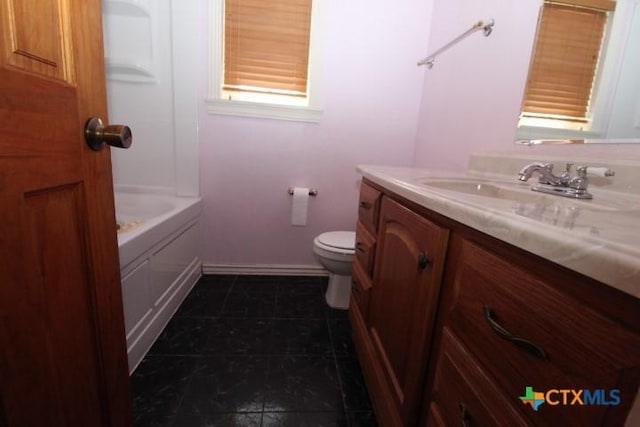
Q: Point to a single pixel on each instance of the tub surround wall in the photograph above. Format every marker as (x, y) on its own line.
(151, 54)
(371, 92)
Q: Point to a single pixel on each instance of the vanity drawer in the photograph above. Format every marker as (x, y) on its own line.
(527, 333)
(464, 395)
(365, 248)
(360, 288)
(369, 207)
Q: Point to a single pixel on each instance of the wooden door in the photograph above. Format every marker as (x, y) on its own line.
(404, 296)
(62, 345)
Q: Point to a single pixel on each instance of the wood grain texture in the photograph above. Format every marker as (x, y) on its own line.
(361, 288)
(381, 397)
(460, 383)
(369, 207)
(37, 37)
(63, 358)
(586, 349)
(365, 248)
(403, 301)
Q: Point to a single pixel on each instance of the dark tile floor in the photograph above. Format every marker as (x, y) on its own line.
(253, 351)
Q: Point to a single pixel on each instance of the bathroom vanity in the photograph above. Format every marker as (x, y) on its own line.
(469, 291)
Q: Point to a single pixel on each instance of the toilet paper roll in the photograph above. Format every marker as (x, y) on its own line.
(299, 206)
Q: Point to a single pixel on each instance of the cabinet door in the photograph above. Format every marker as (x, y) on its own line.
(403, 299)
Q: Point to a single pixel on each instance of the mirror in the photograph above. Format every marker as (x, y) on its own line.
(615, 101)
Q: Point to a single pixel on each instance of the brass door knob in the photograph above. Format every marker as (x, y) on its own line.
(97, 135)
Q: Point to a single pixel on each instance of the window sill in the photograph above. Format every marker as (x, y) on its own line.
(539, 132)
(260, 110)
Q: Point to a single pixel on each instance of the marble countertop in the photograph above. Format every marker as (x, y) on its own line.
(599, 238)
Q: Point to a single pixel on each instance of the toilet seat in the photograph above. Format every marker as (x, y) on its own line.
(342, 242)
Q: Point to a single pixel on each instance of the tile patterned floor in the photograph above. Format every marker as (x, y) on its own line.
(253, 351)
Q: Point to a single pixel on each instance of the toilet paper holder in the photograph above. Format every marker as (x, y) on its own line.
(312, 191)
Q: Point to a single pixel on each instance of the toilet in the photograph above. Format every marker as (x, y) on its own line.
(335, 250)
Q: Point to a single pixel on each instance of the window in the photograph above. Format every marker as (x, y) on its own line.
(265, 59)
(566, 59)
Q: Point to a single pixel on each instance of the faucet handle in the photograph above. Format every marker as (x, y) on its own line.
(565, 178)
(583, 171)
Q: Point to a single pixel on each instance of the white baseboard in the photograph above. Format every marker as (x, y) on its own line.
(265, 269)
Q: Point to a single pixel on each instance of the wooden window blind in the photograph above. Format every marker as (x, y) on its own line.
(565, 59)
(266, 46)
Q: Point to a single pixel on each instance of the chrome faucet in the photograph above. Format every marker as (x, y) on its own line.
(545, 170)
(564, 185)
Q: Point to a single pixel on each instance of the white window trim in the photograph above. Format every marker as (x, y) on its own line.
(603, 94)
(265, 106)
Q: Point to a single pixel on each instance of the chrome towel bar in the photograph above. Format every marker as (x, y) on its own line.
(487, 27)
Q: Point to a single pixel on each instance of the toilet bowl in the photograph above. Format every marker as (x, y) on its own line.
(334, 250)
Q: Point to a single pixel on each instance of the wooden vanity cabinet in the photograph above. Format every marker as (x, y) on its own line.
(451, 326)
(409, 259)
(524, 322)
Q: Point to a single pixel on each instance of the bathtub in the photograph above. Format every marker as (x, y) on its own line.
(159, 242)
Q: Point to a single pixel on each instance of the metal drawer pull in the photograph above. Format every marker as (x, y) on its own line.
(360, 246)
(365, 205)
(526, 345)
(423, 261)
(466, 420)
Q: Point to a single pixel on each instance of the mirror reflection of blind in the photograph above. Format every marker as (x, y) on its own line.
(266, 47)
(565, 59)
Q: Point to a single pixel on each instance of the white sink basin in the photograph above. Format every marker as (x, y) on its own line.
(480, 188)
(522, 194)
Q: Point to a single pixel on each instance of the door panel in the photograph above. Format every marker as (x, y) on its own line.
(62, 345)
(36, 37)
(52, 297)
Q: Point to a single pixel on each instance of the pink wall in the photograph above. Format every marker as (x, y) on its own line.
(471, 97)
(371, 94)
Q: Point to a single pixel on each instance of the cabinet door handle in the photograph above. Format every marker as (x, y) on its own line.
(423, 261)
(360, 246)
(365, 205)
(524, 344)
(466, 420)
